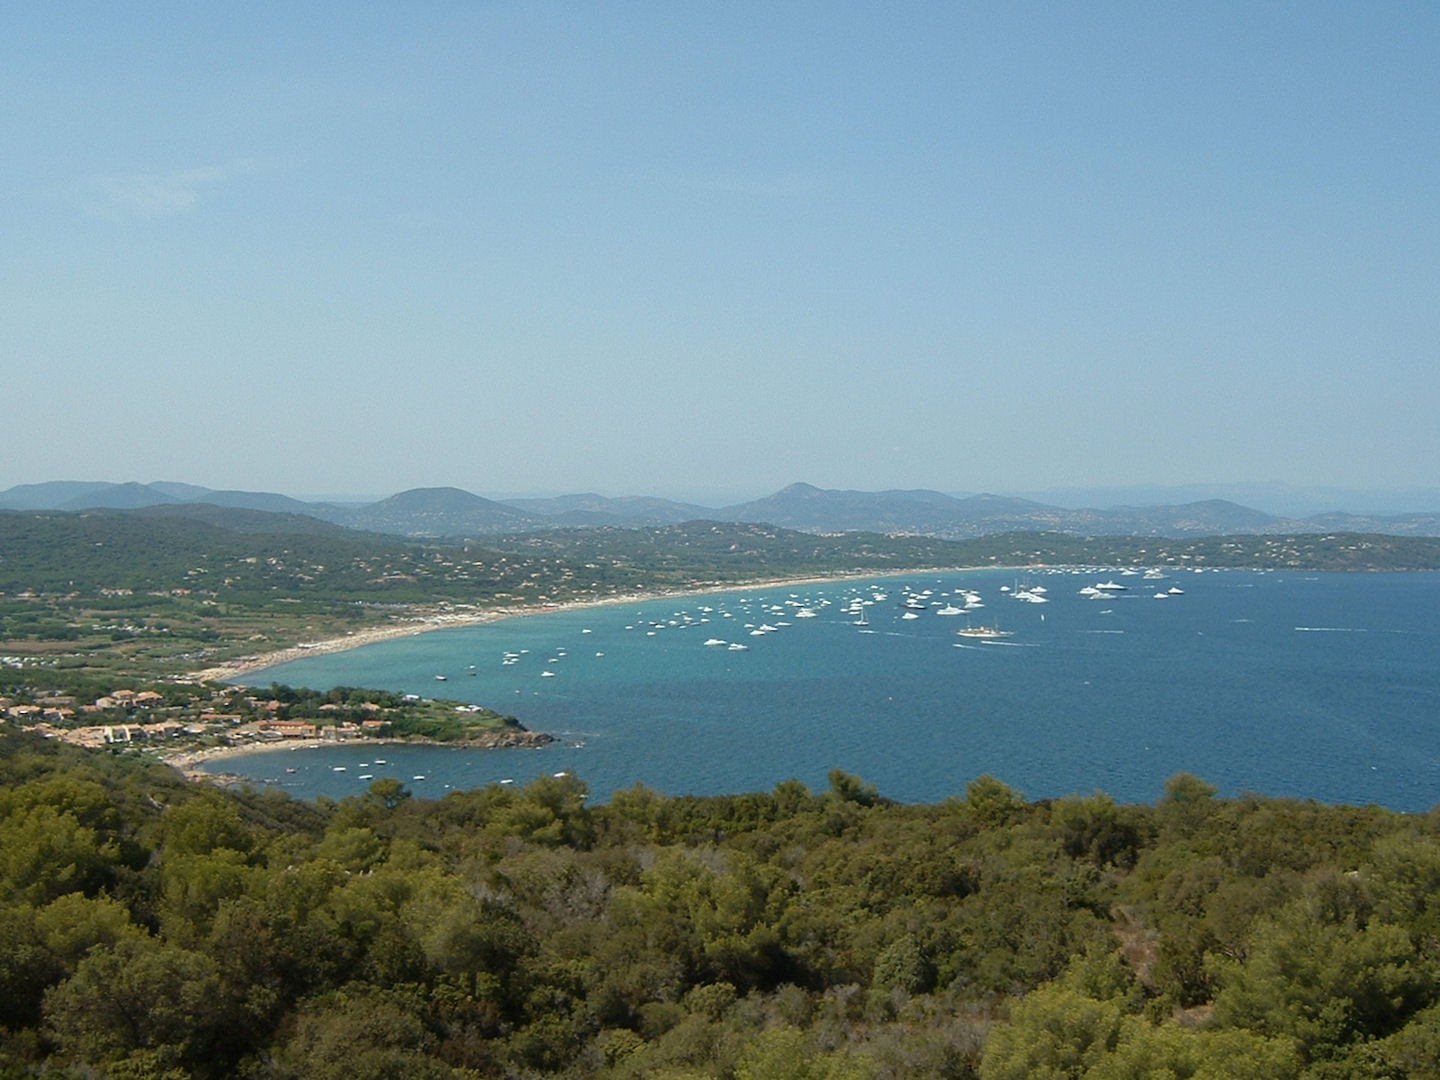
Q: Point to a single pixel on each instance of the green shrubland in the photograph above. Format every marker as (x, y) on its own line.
(154, 928)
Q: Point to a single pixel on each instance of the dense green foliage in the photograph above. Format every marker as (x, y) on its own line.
(150, 928)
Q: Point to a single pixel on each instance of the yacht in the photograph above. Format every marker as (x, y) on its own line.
(983, 632)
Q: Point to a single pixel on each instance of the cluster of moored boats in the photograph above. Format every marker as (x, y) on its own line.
(770, 617)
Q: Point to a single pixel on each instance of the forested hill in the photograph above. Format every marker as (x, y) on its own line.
(150, 928)
(214, 549)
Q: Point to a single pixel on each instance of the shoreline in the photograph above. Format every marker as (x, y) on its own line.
(423, 624)
(189, 762)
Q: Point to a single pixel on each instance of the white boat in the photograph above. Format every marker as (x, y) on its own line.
(1110, 586)
(1175, 590)
(983, 632)
(950, 609)
(909, 615)
(714, 641)
(547, 674)
(735, 646)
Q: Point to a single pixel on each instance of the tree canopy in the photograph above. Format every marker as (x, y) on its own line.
(151, 927)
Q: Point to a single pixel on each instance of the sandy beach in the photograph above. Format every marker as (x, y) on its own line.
(189, 761)
(444, 620)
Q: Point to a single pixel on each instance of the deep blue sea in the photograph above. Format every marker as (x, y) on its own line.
(1323, 686)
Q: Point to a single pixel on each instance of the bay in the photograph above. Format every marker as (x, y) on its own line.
(1320, 686)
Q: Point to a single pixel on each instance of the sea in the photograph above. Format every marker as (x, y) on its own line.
(1321, 686)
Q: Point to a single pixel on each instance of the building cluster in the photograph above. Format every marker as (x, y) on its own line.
(130, 717)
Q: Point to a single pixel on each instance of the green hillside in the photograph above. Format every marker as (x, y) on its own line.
(150, 928)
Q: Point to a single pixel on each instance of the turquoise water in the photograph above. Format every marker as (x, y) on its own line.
(1315, 685)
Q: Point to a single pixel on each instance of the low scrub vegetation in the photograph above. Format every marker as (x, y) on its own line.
(150, 927)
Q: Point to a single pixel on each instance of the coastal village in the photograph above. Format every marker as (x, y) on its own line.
(207, 718)
(183, 725)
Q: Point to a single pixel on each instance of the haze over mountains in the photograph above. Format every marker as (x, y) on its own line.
(451, 512)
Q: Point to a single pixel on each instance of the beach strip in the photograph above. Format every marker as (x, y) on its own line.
(447, 620)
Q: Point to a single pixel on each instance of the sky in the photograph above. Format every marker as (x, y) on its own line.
(706, 250)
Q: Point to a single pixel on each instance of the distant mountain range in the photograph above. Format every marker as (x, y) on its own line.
(452, 512)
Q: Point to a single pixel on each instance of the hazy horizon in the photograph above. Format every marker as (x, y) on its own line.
(641, 249)
(1270, 497)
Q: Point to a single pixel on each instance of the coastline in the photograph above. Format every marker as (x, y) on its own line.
(188, 762)
(422, 624)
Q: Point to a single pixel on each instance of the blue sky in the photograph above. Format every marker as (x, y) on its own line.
(707, 250)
